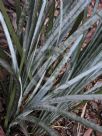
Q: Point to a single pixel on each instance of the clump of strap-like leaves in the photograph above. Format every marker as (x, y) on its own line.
(40, 49)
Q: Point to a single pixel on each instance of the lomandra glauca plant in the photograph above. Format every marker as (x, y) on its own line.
(39, 50)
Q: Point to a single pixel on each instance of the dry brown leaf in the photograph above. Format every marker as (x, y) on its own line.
(2, 132)
(88, 132)
(98, 134)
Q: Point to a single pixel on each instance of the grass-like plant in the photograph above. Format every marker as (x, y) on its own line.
(39, 50)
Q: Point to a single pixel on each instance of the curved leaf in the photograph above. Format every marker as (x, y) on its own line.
(38, 122)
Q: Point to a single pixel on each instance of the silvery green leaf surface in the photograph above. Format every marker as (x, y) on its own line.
(49, 64)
